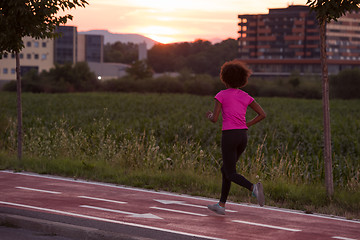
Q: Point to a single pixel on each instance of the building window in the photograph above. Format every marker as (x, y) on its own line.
(28, 44)
(5, 71)
(28, 56)
(13, 71)
(43, 56)
(5, 55)
(44, 44)
(12, 55)
(21, 55)
(36, 56)
(36, 44)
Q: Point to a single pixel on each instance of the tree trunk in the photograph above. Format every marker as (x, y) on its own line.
(326, 112)
(19, 107)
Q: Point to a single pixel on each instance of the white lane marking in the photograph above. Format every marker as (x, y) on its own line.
(184, 204)
(343, 238)
(136, 215)
(282, 210)
(268, 226)
(109, 220)
(38, 190)
(178, 211)
(335, 218)
(102, 199)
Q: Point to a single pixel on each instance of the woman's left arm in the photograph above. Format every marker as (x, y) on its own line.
(260, 114)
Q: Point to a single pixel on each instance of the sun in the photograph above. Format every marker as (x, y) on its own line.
(161, 39)
(160, 33)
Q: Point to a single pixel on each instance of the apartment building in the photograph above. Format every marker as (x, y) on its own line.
(287, 40)
(43, 54)
(90, 48)
(65, 47)
(37, 54)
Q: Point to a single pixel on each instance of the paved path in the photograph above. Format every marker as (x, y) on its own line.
(159, 215)
(11, 233)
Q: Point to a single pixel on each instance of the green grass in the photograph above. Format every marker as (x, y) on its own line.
(164, 142)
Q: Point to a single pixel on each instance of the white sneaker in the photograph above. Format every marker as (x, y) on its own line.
(216, 208)
(258, 192)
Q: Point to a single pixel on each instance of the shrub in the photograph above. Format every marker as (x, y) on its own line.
(202, 84)
(346, 84)
(164, 84)
(60, 79)
(10, 86)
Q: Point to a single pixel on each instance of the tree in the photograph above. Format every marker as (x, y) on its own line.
(326, 11)
(140, 70)
(199, 57)
(34, 18)
(121, 52)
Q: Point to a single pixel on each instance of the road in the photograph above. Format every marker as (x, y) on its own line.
(132, 213)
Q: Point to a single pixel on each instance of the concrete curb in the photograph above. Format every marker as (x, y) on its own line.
(62, 229)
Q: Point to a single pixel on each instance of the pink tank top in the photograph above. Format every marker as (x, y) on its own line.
(234, 103)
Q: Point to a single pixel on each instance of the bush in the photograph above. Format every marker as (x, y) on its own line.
(60, 79)
(294, 87)
(164, 84)
(200, 85)
(10, 86)
(346, 84)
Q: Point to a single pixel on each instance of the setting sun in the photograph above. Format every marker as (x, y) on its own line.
(159, 33)
(161, 39)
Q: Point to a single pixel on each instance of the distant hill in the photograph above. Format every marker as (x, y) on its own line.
(121, 37)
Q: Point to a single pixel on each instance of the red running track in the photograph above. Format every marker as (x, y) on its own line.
(168, 212)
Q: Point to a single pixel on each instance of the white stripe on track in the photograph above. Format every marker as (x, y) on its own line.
(178, 211)
(267, 226)
(102, 199)
(38, 190)
(343, 238)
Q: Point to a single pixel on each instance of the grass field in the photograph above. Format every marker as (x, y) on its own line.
(165, 142)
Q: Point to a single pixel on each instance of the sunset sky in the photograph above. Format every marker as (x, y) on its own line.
(169, 21)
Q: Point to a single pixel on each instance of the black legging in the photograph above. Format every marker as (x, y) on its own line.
(233, 144)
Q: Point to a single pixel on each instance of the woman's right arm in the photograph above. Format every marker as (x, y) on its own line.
(213, 116)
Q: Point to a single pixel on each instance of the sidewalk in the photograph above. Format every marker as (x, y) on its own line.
(11, 233)
(22, 225)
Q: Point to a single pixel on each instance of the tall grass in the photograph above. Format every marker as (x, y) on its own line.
(161, 136)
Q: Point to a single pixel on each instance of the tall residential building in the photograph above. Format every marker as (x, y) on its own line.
(343, 38)
(287, 40)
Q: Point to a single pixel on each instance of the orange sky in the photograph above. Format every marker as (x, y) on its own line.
(171, 21)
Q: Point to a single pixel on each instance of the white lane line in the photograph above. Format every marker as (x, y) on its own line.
(184, 204)
(178, 211)
(38, 190)
(136, 215)
(343, 238)
(102, 199)
(109, 220)
(268, 226)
